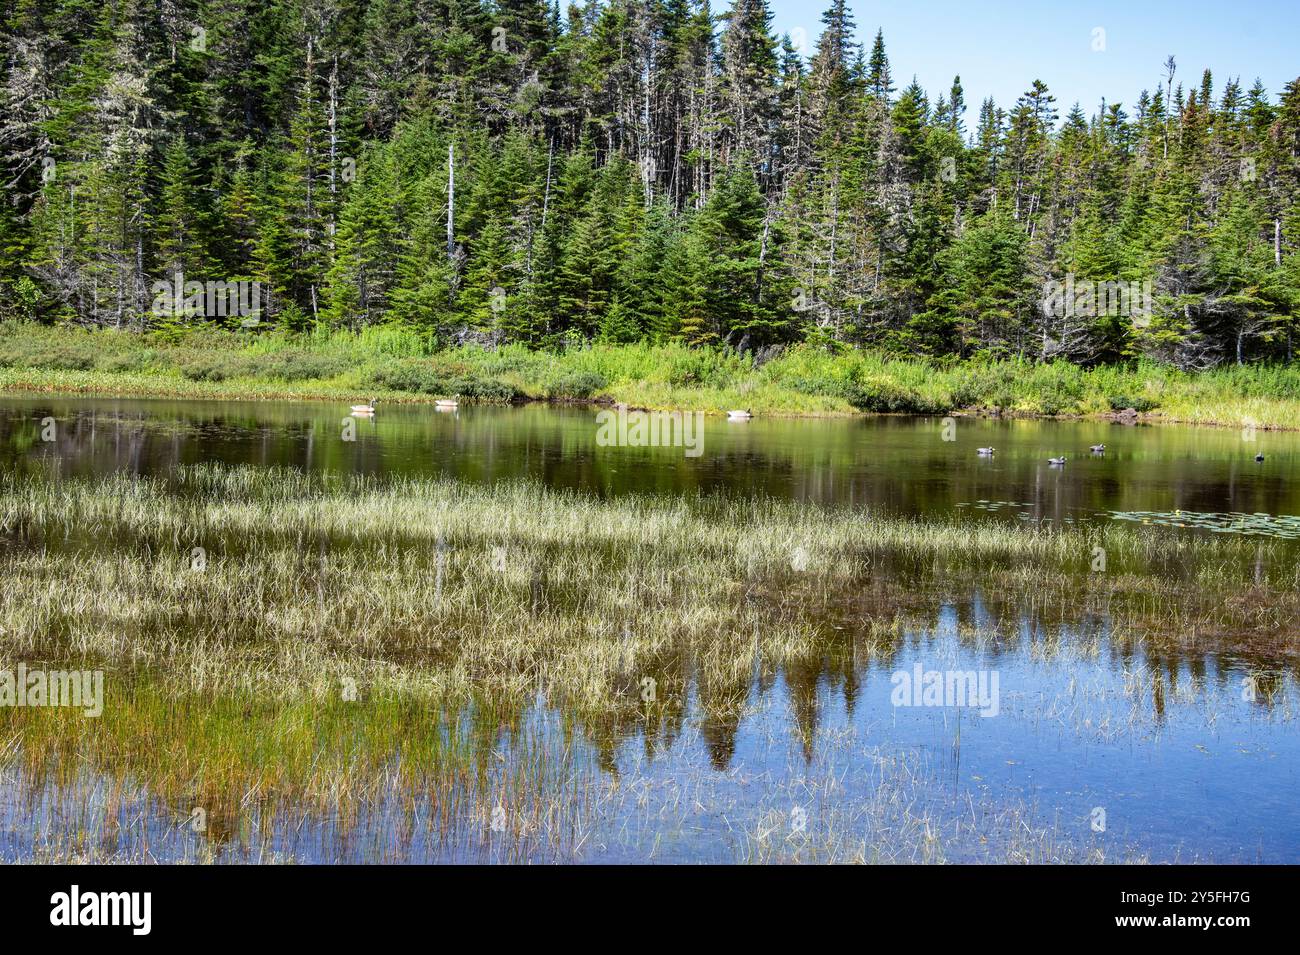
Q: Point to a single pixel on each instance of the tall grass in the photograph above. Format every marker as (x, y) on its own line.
(402, 364)
(455, 611)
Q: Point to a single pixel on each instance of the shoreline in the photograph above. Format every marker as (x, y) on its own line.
(400, 367)
(104, 385)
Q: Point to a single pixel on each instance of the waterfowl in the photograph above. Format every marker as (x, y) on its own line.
(1056, 462)
(1098, 449)
(744, 415)
(985, 452)
(364, 409)
(1259, 457)
(446, 403)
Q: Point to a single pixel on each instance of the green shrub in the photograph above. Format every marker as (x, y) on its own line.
(888, 397)
(483, 389)
(72, 355)
(574, 384)
(423, 378)
(127, 362)
(410, 375)
(984, 385)
(1138, 403)
(298, 365)
(205, 366)
(1052, 404)
(696, 367)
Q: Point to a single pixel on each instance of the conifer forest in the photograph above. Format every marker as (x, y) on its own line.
(630, 170)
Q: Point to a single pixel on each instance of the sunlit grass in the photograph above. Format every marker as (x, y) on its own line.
(394, 364)
(343, 641)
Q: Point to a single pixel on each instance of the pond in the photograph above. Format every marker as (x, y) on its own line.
(1102, 741)
(901, 463)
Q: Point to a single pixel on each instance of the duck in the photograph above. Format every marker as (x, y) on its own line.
(1097, 449)
(1056, 462)
(743, 415)
(1260, 456)
(364, 409)
(985, 452)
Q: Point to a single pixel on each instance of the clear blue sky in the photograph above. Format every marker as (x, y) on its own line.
(1000, 46)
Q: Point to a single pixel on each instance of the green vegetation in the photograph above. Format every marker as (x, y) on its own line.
(620, 171)
(655, 202)
(403, 366)
(453, 609)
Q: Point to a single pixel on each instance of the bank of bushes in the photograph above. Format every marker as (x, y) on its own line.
(802, 380)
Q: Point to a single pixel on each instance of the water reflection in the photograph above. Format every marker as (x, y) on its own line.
(1186, 768)
(1170, 705)
(898, 463)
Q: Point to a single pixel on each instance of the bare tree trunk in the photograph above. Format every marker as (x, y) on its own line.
(311, 173)
(334, 147)
(546, 196)
(1169, 100)
(139, 276)
(546, 201)
(647, 151)
(762, 256)
(835, 225)
(451, 205)
(674, 187)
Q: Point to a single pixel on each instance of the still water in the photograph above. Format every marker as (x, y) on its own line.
(1182, 764)
(901, 464)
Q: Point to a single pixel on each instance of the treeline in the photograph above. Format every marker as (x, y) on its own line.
(626, 170)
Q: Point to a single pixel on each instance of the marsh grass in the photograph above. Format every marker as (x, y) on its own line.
(230, 683)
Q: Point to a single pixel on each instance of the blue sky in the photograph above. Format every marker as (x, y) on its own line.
(1000, 46)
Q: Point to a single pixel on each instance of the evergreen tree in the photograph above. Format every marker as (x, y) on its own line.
(628, 169)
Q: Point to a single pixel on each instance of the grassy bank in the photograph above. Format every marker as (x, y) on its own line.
(396, 365)
(452, 610)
